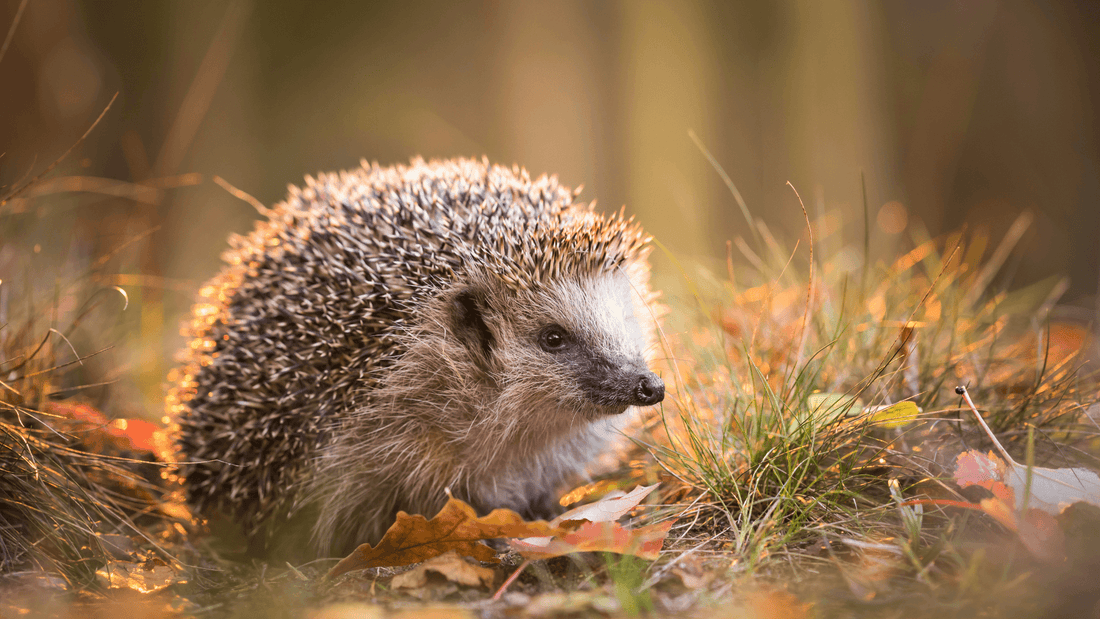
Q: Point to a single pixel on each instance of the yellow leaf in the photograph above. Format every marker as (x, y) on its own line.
(894, 415)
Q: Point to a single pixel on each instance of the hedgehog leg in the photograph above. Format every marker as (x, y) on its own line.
(543, 506)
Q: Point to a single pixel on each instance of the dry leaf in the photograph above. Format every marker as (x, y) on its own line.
(841, 402)
(823, 409)
(572, 603)
(1028, 511)
(645, 542)
(414, 538)
(127, 575)
(692, 571)
(356, 610)
(779, 604)
(434, 612)
(1025, 499)
(1037, 530)
(1051, 490)
(604, 486)
(110, 436)
(593, 529)
(448, 565)
(894, 415)
(608, 509)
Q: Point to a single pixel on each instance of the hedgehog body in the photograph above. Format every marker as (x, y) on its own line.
(392, 333)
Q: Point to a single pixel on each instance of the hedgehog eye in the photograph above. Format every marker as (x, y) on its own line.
(553, 339)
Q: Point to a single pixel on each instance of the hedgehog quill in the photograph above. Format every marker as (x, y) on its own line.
(391, 333)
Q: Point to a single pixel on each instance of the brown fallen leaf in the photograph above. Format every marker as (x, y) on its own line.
(779, 604)
(1037, 530)
(448, 565)
(1034, 524)
(414, 538)
(571, 603)
(108, 436)
(592, 528)
(434, 612)
(127, 575)
(348, 610)
(693, 573)
(645, 542)
(576, 495)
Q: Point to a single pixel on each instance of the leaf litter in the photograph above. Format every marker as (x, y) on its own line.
(458, 529)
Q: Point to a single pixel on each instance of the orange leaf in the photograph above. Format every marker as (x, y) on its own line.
(645, 542)
(102, 435)
(973, 468)
(414, 538)
(1037, 530)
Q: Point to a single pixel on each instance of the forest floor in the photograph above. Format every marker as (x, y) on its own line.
(840, 438)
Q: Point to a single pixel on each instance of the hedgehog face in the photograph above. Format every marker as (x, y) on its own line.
(593, 335)
(574, 346)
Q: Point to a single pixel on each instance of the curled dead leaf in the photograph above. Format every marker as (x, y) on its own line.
(448, 565)
(608, 509)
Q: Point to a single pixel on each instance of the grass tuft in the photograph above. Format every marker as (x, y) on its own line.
(780, 426)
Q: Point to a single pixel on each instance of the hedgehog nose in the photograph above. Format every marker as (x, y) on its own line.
(651, 390)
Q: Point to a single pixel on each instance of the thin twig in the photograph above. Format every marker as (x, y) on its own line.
(11, 30)
(511, 579)
(725, 179)
(57, 161)
(243, 196)
(809, 287)
(961, 390)
(200, 93)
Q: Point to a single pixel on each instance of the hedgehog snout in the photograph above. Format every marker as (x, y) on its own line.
(651, 390)
(618, 385)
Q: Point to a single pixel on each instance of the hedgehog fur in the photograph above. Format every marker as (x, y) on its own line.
(391, 334)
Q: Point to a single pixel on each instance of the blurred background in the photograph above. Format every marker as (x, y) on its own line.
(954, 112)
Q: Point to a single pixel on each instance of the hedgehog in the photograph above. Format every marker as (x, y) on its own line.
(390, 336)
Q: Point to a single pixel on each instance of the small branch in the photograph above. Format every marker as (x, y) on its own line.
(57, 161)
(961, 390)
(243, 196)
(11, 30)
(511, 578)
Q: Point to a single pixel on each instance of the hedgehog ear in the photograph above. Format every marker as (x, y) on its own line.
(468, 317)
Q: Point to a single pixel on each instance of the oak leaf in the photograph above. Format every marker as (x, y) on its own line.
(414, 538)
